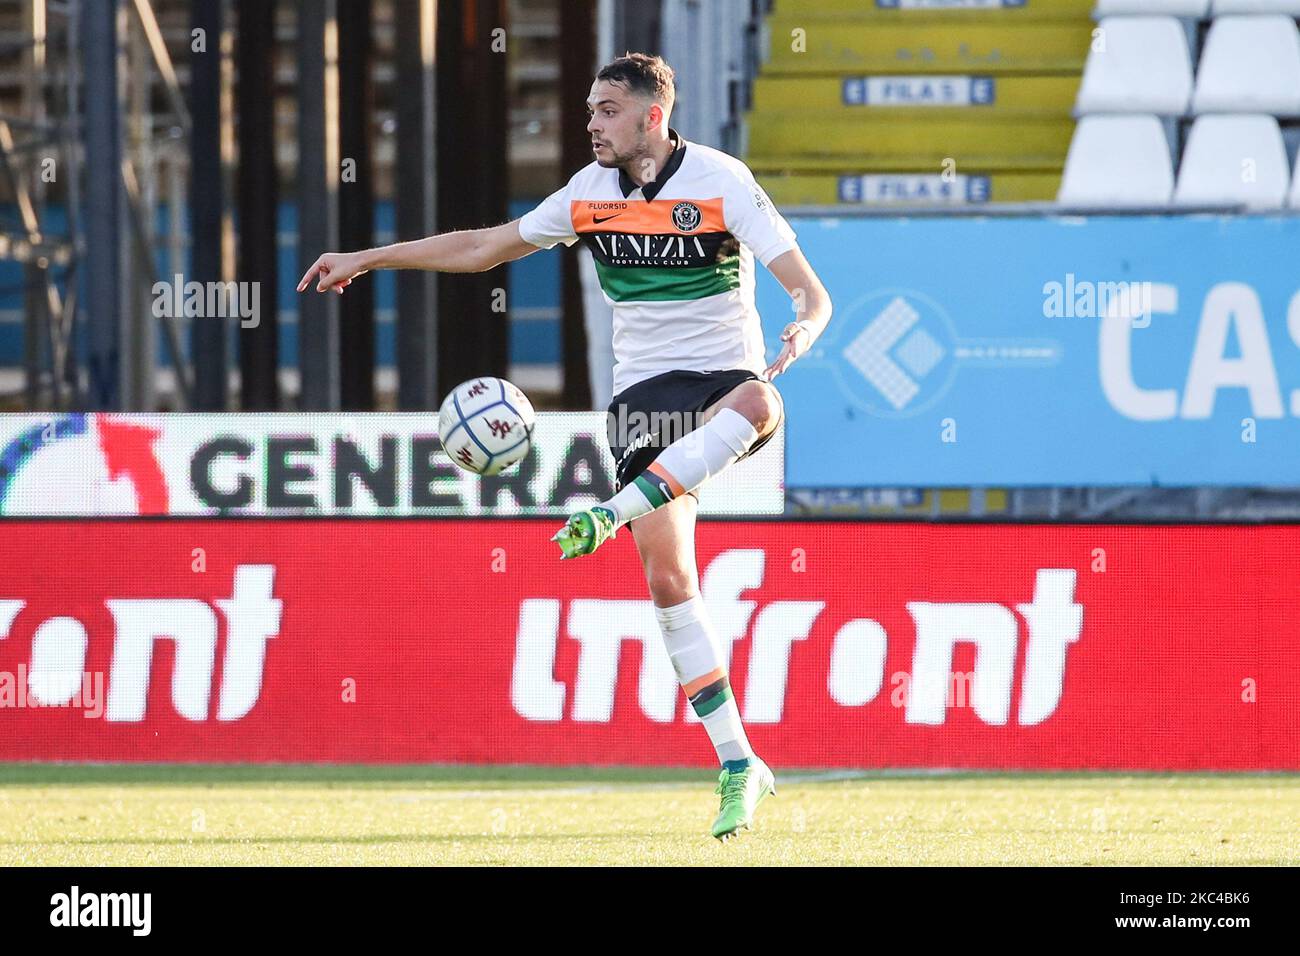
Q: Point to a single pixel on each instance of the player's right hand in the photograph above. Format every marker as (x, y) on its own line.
(334, 270)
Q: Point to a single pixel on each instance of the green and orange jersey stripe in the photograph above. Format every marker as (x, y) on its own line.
(642, 255)
(646, 218)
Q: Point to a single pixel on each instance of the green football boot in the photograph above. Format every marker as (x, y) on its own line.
(585, 531)
(742, 791)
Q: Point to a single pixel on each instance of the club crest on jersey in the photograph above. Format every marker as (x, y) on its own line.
(687, 216)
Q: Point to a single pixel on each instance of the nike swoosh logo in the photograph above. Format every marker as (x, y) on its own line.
(598, 219)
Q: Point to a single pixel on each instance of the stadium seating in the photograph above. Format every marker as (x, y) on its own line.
(1173, 8)
(862, 103)
(1234, 159)
(1251, 64)
(1243, 78)
(1050, 94)
(881, 143)
(807, 45)
(1118, 161)
(1221, 7)
(1144, 67)
(880, 11)
(821, 189)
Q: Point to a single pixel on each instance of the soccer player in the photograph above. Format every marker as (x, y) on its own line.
(674, 228)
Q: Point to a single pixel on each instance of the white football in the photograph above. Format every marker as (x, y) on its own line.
(486, 425)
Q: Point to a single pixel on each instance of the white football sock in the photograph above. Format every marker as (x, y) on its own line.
(685, 465)
(702, 672)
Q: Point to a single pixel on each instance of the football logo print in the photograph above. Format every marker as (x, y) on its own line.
(687, 216)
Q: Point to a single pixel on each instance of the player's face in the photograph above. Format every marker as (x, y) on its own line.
(618, 124)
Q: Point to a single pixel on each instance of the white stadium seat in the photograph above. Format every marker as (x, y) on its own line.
(1295, 186)
(1144, 68)
(1169, 8)
(1120, 161)
(1233, 160)
(1220, 7)
(1250, 65)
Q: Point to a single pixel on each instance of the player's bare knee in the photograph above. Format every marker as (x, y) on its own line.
(670, 585)
(760, 403)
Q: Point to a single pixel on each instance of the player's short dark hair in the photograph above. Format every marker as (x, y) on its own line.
(644, 74)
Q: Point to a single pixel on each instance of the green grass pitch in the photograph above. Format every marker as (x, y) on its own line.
(127, 815)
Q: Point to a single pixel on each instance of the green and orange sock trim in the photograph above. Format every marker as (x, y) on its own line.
(658, 486)
(708, 693)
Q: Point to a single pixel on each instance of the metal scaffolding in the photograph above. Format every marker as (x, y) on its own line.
(35, 150)
(82, 161)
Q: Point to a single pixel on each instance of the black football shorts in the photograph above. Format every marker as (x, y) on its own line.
(649, 416)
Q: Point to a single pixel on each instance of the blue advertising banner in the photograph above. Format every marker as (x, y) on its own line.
(1047, 351)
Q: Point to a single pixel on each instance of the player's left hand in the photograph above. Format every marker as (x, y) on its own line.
(796, 339)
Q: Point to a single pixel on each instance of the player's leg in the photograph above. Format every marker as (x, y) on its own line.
(731, 426)
(665, 540)
(758, 401)
(728, 429)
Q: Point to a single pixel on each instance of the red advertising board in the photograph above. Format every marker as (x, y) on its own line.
(853, 645)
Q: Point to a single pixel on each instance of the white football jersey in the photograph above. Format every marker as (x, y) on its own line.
(675, 258)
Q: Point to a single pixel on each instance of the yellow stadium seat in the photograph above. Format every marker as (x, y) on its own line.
(825, 141)
(854, 95)
(1001, 15)
(876, 102)
(824, 189)
(808, 45)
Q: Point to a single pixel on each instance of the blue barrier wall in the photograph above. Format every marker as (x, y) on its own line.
(1048, 351)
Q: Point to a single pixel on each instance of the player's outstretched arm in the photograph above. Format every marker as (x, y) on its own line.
(812, 305)
(471, 250)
